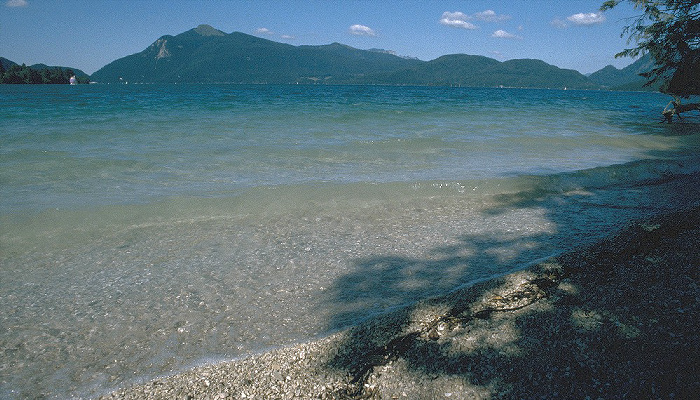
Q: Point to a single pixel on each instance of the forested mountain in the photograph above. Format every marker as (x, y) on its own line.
(479, 71)
(627, 78)
(208, 55)
(13, 73)
(5, 64)
(205, 54)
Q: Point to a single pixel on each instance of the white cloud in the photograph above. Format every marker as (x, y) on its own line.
(559, 24)
(456, 20)
(361, 30)
(587, 18)
(504, 35)
(264, 31)
(491, 16)
(16, 3)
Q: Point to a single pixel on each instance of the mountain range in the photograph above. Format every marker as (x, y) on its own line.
(207, 55)
(627, 78)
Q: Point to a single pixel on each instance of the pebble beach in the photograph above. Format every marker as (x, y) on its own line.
(617, 319)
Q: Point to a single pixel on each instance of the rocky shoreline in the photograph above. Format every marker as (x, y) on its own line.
(614, 320)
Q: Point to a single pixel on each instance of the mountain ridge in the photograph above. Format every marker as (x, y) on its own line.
(207, 55)
(627, 78)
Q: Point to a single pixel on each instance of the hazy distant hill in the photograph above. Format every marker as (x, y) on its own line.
(205, 54)
(479, 71)
(627, 78)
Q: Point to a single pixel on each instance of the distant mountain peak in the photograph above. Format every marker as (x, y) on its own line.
(208, 30)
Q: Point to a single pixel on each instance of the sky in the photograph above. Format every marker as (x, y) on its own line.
(89, 34)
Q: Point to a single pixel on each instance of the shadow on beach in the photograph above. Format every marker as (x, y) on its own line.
(615, 320)
(612, 316)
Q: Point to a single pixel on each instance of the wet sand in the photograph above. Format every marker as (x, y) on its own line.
(614, 320)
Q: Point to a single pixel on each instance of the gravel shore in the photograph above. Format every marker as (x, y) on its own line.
(617, 320)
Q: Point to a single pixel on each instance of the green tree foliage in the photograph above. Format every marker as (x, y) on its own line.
(22, 74)
(669, 30)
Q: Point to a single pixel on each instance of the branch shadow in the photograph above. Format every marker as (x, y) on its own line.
(573, 326)
(385, 283)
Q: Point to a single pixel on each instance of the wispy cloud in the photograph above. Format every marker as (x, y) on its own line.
(491, 16)
(587, 18)
(264, 31)
(504, 35)
(559, 24)
(267, 32)
(497, 54)
(16, 3)
(457, 20)
(362, 30)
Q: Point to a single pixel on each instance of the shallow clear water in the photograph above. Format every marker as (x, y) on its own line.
(145, 229)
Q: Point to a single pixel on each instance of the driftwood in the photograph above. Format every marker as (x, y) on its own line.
(677, 109)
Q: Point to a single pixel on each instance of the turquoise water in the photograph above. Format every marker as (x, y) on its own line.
(100, 145)
(148, 228)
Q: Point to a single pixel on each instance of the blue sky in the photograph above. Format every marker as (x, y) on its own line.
(88, 34)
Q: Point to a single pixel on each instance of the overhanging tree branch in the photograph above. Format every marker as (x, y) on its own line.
(669, 30)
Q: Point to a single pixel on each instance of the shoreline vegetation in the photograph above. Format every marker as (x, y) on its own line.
(617, 319)
(38, 75)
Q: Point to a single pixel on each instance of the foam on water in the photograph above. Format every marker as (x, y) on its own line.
(139, 245)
